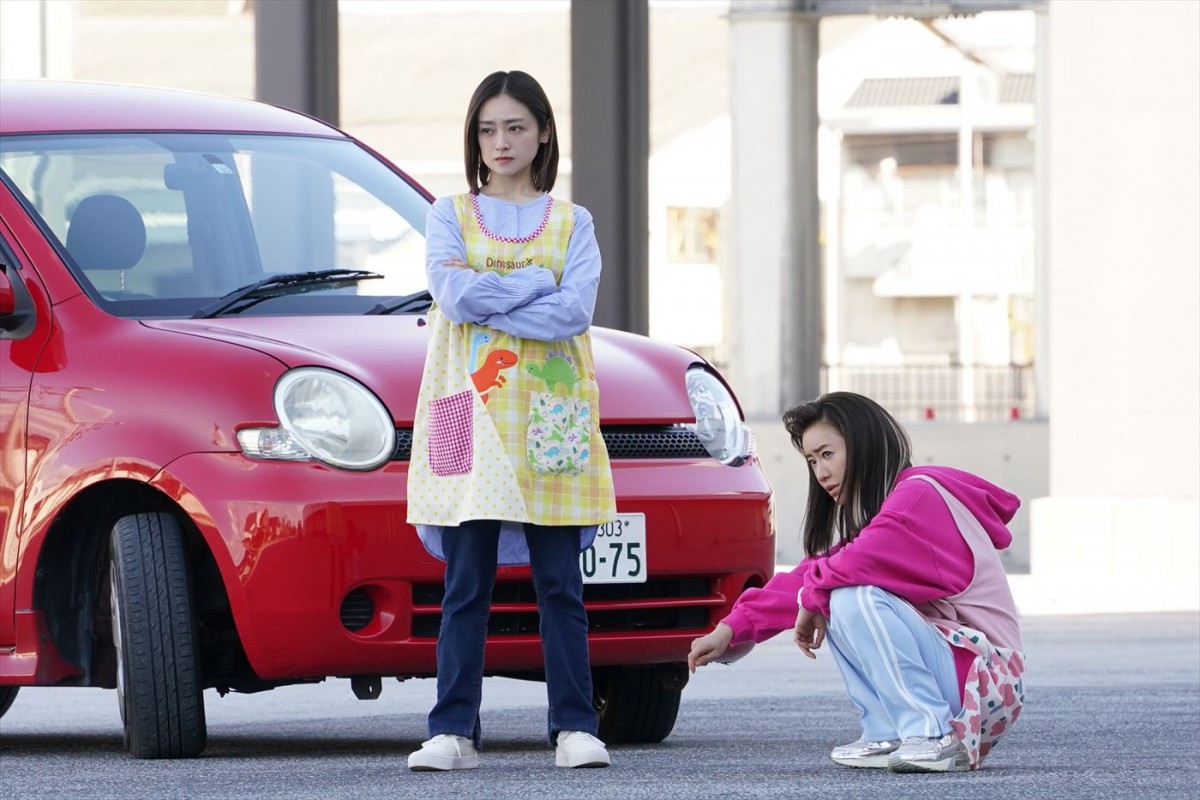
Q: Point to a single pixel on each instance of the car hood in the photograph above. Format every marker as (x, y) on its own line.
(641, 380)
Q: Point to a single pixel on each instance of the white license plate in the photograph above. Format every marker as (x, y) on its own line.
(619, 553)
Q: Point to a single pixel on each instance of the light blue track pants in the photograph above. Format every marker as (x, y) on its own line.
(897, 667)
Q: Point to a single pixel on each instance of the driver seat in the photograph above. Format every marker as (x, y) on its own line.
(106, 233)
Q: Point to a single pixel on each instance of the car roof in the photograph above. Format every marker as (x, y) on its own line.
(48, 106)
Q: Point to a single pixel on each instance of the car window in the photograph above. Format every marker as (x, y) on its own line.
(160, 225)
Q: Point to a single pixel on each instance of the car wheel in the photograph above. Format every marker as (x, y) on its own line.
(154, 636)
(7, 695)
(637, 705)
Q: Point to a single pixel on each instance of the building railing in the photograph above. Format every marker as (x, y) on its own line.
(943, 392)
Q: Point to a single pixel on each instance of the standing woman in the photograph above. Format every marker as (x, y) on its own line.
(508, 466)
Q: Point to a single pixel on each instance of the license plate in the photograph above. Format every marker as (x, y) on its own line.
(619, 553)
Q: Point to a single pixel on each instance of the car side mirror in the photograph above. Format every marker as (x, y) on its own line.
(17, 315)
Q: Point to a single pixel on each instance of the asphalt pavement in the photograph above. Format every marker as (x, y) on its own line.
(1112, 711)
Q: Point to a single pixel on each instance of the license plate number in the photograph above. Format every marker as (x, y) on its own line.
(619, 553)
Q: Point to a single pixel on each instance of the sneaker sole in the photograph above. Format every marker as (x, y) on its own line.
(956, 764)
(441, 764)
(871, 762)
(596, 760)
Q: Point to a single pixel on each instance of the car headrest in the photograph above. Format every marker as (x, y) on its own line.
(106, 232)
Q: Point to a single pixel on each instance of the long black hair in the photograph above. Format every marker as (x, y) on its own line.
(522, 87)
(877, 450)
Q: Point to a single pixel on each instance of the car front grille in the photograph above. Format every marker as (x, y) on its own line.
(652, 441)
(622, 441)
(404, 438)
(662, 604)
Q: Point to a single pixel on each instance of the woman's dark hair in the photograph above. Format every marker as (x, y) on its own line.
(520, 86)
(877, 450)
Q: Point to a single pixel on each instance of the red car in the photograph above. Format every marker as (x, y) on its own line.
(212, 330)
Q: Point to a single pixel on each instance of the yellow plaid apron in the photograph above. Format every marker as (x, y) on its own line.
(508, 428)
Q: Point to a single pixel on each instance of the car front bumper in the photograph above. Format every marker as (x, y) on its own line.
(325, 577)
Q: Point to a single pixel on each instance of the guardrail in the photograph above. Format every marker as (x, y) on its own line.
(945, 392)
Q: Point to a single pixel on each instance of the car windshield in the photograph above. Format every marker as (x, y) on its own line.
(162, 225)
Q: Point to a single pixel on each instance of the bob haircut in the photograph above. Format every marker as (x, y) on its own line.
(520, 86)
(877, 450)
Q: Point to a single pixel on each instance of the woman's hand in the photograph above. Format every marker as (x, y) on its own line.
(456, 262)
(710, 647)
(809, 632)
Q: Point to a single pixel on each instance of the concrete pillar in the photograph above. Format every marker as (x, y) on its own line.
(610, 149)
(296, 55)
(1118, 531)
(35, 38)
(776, 297)
(1041, 230)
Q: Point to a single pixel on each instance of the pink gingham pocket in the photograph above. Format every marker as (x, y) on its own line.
(451, 434)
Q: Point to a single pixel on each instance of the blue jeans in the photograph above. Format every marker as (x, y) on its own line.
(898, 669)
(470, 551)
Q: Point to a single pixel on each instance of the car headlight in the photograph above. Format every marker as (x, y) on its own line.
(326, 416)
(718, 425)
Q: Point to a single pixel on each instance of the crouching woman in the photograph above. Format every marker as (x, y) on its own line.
(903, 579)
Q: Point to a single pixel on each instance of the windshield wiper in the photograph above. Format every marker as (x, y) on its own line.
(280, 285)
(417, 301)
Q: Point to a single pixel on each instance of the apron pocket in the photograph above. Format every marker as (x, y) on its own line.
(451, 434)
(558, 439)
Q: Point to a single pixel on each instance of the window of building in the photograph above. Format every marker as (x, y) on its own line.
(692, 235)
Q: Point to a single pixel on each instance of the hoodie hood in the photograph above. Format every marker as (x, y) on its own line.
(992, 506)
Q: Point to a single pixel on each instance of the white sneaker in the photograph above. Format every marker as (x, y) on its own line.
(865, 754)
(445, 751)
(936, 754)
(579, 749)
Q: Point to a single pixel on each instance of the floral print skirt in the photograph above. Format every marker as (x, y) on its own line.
(993, 694)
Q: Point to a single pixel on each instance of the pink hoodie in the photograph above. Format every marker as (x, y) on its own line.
(912, 548)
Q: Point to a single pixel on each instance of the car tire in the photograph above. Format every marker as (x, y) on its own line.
(154, 635)
(637, 705)
(7, 695)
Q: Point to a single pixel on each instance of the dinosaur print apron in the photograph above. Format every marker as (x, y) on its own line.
(508, 428)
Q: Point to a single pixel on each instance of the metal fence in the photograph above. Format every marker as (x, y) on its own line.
(950, 392)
